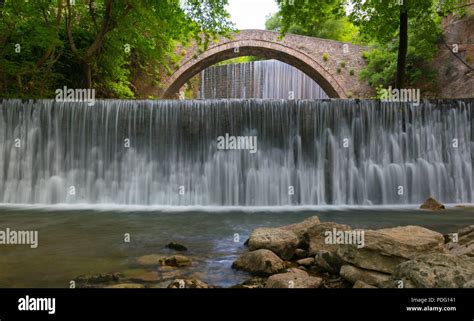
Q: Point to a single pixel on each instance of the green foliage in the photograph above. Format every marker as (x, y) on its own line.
(308, 15)
(379, 20)
(381, 66)
(422, 46)
(325, 56)
(379, 23)
(380, 92)
(375, 23)
(335, 28)
(20, 57)
(112, 38)
(239, 60)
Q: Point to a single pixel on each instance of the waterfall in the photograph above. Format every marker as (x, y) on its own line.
(309, 152)
(269, 79)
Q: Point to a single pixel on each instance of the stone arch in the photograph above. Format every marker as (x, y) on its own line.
(254, 47)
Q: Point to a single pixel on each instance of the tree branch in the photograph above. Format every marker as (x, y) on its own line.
(70, 38)
(51, 49)
(92, 12)
(106, 27)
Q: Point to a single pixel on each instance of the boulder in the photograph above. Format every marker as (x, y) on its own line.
(176, 246)
(432, 205)
(354, 274)
(283, 241)
(260, 262)
(464, 244)
(189, 284)
(362, 285)
(436, 270)
(301, 254)
(384, 249)
(253, 283)
(293, 278)
(280, 241)
(177, 260)
(466, 231)
(469, 285)
(336, 282)
(299, 229)
(327, 261)
(306, 262)
(315, 237)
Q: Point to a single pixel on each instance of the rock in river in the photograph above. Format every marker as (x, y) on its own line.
(189, 284)
(177, 260)
(435, 271)
(315, 237)
(177, 247)
(432, 205)
(302, 227)
(260, 262)
(306, 262)
(293, 278)
(363, 285)
(384, 249)
(281, 242)
(373, 278)
(463, 244)
(327, 261)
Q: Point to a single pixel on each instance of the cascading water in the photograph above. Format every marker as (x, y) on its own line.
(165, 152)
(269, 79)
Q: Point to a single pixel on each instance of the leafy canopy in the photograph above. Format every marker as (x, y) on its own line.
(45, 44)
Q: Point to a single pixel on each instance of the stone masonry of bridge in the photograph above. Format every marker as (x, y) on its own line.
(334, 65)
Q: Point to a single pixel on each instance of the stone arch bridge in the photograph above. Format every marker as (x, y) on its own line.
(334, 65)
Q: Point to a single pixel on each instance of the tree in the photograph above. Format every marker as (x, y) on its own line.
(335, 28)
(308, 15)
(97, 43)
(128, 17)
(378, 21)
(383, 20)
(29, 44)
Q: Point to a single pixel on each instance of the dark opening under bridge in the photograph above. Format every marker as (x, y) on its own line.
(332, 64)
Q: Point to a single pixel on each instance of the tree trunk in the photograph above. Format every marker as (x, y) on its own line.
(402, 46)
(87, 75)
